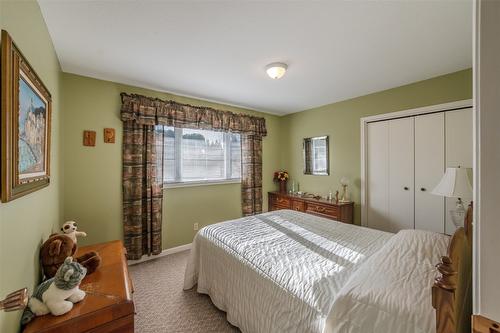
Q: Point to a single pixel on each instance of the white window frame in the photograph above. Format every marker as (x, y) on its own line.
(178, 132)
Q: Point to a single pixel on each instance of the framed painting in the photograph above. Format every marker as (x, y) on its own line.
(25, 125)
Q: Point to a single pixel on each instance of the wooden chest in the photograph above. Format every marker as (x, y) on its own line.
(108, 306)
(342, 212)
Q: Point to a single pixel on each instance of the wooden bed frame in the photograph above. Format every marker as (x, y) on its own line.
(452, 290)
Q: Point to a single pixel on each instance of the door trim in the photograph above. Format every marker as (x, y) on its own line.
(458, 105)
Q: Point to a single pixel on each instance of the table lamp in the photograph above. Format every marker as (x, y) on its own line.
(455, 184)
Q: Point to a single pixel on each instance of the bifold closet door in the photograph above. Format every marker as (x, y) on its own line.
(429, 169)
(377, 199)
(401, 175)
(390, 177)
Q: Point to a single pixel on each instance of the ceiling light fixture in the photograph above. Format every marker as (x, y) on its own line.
(276, 70)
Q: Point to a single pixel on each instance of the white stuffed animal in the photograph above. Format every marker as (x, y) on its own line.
(57, 295)
(70, 229)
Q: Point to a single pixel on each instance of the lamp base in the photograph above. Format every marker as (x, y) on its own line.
(458, 214)
(343, 197)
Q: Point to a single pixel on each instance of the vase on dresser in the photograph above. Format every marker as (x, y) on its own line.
(281, 177)
(282, 186)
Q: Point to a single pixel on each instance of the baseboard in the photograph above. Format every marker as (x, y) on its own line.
(163, 253)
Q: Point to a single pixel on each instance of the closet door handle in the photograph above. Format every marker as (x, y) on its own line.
(423, 189)
(406, 188)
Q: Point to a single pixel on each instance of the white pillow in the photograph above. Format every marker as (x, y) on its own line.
(391, 290)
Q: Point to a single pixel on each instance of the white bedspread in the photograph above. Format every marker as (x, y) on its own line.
(278, 271)
(391, 291)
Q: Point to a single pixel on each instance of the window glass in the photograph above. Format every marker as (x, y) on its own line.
(192, 155)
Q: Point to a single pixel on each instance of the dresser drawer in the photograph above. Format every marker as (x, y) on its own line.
(319, 209)
(279, 202)
(299, 206)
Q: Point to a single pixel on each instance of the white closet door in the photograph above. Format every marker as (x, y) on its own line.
(429, 169)
(401, 174)
(378, 175)
(458, 152)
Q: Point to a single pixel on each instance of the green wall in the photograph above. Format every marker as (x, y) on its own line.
(341, 121)
(24, 222)
(92, 175)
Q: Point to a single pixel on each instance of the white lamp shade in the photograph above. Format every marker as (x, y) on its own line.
(454, 184)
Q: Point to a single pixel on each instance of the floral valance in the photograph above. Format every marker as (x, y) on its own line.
(153, 111)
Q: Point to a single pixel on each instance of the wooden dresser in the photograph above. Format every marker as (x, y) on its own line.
(342, 212)
(108, 306)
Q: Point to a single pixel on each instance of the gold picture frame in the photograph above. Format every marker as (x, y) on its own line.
(25, 125)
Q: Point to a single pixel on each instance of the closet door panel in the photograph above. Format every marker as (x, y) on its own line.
(378, 175)
(401, 174)
(429, 169)
(459, 138)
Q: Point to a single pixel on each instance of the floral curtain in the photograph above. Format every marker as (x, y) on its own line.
(142, 175)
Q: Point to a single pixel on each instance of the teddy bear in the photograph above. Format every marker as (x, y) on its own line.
(57, 248)
(57, 295)
(70, 229)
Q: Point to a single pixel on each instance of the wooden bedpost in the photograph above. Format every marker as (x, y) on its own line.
(443, 297)
(452, 289)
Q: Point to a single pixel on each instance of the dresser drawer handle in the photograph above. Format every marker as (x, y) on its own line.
(320, 209)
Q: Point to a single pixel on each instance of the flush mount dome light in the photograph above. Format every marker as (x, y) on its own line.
(276, 70)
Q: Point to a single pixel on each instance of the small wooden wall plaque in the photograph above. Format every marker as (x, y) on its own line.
(109, 135)
(89, 138)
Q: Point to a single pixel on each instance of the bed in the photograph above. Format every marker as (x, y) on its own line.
(286, 271)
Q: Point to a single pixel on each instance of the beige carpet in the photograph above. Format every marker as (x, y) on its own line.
(162, 306)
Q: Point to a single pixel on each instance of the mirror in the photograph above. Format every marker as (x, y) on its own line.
(316, 158)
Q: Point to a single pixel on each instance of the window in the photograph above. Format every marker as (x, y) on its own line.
(200, 156)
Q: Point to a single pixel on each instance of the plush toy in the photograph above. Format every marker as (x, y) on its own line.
(57, 248)
(57, 295)
(70, 229)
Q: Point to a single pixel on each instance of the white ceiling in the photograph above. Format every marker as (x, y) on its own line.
(217, 50)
